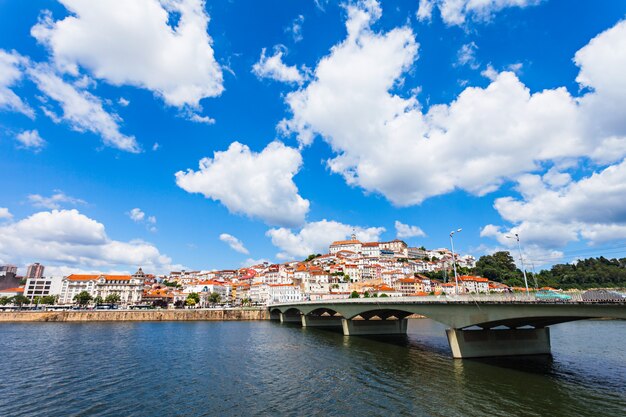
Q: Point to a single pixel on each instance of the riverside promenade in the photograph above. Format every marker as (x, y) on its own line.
(231, 314)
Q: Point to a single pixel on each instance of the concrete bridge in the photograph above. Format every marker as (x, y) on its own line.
(479, 326)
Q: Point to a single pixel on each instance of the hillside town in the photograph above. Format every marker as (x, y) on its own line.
(350, 269)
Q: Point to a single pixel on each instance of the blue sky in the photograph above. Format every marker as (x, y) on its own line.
(405, 118)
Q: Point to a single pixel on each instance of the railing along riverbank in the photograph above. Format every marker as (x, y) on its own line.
(230, 314)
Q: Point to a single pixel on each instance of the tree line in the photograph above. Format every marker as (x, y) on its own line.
(583, 274)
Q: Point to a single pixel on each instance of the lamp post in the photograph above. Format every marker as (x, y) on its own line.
(456, 278)
(521, 258)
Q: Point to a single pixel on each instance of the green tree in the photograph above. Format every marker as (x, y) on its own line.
(113, 298)
(366, 294)
(98, 300)
(312, 256)
(214, 298)
(36, 299)
(83, 298)
(4, 301)
(499, 267)
(354, 294)
(383, 295)
(20, 300)
(49, 299)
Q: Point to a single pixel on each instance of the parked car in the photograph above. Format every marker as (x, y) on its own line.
(549, 295)
(602, 295)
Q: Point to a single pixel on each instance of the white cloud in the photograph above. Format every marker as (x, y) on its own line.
(155, 146)
(71, 239)
(136, 215)
(315, 237)
(467, 55)
(195, 117)
(131, 43)
(81, 109)
(406, 231)
(30, 139)
(258, 185)
(274, 68)
(11, 72)
(123, 102)
(385, 144)
(551, 216)
(234, 243)
(139, 216)
(296, 28)
(5, 213)
(456, 12)
(55, 201)
(252, 262)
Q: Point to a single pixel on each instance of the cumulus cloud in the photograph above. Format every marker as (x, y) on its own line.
(55, 201)
(406, 231)
(132, 43)
(83, 111)
(591, 209)
(30, 139)
(12, 67)
(234, 243)
(5, 213)
(69, 238)
(456, 12)
(274, 68)
(315, 237)
(385, 143)
(259, 185)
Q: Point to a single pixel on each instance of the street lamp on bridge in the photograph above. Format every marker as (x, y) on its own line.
(456, 278)
(521, 258)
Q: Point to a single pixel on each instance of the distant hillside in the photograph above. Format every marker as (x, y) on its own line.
(586, 273)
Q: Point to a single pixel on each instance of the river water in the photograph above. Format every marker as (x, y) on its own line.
(265, 368)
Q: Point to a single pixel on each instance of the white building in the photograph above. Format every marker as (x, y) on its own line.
(42, 287)
(128, 287)
(352, 245)
(281, 293)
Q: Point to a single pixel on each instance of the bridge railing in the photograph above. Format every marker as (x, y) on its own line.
(531, 298)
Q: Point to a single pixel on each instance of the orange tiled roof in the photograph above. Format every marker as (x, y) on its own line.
(16, 289)
(81, 277)
(345, 242)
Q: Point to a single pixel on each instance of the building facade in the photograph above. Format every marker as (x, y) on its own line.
(128, 287)
(34, 270)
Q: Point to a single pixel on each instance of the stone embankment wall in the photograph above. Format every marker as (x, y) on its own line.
(135, 315)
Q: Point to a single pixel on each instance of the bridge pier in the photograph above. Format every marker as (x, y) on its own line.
(373, 327)
(290, 318)
(511, 342)
(320, 321)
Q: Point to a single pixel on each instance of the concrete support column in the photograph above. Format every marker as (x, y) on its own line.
(320, 321)
(484, 343)
(288, 318)
(373, 327)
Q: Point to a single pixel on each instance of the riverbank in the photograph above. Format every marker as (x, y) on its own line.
(135, 315)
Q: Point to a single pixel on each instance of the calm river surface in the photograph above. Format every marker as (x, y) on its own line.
(264, 368)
